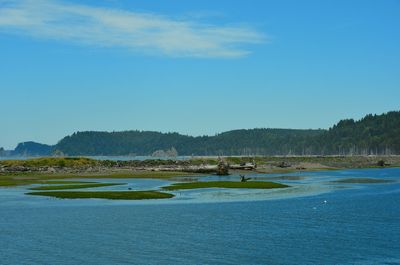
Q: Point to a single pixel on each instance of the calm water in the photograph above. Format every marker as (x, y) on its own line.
(358, 224)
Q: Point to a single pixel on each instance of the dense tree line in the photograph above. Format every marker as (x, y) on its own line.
(374, 134)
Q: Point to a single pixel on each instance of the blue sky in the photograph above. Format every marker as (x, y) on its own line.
(195, 67)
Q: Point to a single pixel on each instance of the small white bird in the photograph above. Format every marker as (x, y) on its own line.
(325, 201)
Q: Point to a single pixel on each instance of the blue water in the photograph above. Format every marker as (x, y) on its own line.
(358, 224)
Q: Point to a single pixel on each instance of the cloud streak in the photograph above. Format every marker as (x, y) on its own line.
(137, 31)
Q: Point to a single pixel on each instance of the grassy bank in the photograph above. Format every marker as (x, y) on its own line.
(226, 184)
(75, 186)
(110, 195)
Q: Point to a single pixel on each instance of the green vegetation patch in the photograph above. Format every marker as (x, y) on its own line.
(226, 184)
(111, 195)
(13, 182)
(75, 186)
(362, 180)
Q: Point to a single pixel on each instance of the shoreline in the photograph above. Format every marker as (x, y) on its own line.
(62, 182)
(22, 172)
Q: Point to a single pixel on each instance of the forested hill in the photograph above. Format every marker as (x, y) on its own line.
(238, 142)
(374, 134)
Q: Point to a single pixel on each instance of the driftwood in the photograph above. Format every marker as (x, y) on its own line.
(244, 166)
(243, 178)
(223, 168)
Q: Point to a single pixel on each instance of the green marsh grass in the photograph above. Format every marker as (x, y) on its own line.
(226, 184)
(111, 195)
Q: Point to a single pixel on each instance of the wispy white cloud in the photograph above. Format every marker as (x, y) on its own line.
(118, 28)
